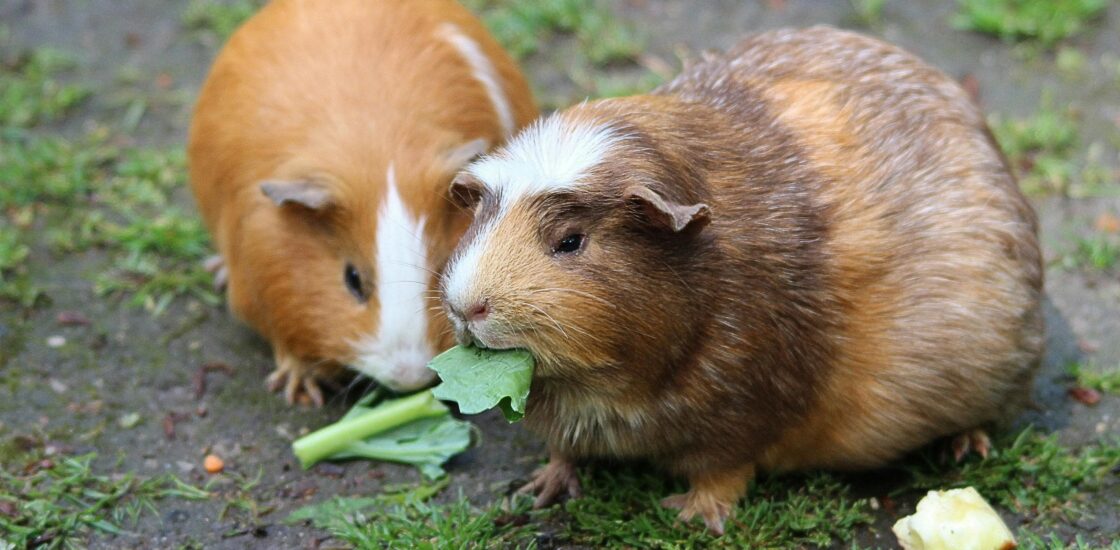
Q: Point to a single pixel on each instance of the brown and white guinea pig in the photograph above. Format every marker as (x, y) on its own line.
(805, 253)
(321, 150)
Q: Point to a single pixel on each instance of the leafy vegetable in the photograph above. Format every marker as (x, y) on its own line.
(417, 430)
(478, 379)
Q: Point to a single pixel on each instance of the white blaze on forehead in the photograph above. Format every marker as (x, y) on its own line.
(397, 356)
(552, 154)
(483, 71)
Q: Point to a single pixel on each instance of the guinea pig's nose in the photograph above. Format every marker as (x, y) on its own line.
(478, 311)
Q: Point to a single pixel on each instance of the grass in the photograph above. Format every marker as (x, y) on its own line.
(86, 192)
(1097, 252)
(1028, 473)
(1041, 148)
(1046, 22)
(599, 50)
(57, 502)
(31, 92)
(1102, 380)
(215, 20)
(403, 519)
(621, 508)
(869, 12)
(524, 27)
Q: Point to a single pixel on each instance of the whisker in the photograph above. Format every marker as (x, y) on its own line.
(576, 292)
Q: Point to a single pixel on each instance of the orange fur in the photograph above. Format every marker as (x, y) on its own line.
(865, 277)
(337, 91)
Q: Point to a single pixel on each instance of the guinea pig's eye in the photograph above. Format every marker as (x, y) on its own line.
(569, 244)
(354, 282)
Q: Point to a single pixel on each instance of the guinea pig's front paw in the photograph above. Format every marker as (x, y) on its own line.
(216, 265)
(298, 380)
(552, 481)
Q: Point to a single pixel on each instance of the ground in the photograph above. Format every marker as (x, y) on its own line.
(120, 370)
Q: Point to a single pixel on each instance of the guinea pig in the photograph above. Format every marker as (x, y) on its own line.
(807, 252)
(321, 150)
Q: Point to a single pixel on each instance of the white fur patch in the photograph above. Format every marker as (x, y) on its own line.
(398, 356)
(483, 71)
(460, 272)
(550, 155)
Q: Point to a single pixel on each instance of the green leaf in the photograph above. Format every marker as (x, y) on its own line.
(425, 443)
(478, 379)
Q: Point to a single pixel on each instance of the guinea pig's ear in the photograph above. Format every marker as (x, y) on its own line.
(305, 193)
(459, 156)
(465, 191)
(667, 214)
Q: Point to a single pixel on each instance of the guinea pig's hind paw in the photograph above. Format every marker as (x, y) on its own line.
(298, 387)
(553, 481)
(692, 504)
(975, 440)
(217, 266)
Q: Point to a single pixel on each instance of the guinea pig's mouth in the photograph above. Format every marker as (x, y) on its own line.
(467, 337)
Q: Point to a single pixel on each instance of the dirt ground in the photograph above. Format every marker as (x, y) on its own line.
(133, 362)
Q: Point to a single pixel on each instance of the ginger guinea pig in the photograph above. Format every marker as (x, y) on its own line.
(805, 253)
(321, 150)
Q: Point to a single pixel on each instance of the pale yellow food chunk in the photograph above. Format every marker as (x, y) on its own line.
(957, 519)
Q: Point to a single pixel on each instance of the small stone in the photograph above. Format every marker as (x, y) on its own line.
(56, 341)
(129, 420)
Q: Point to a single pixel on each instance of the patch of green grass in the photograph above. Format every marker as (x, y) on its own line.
(1097, 252)
(55, 502)
(218, 18)
(47, 169)
(869, 12)
(1027, 539)
(1044, 21)
(1107, 381)
(30, 92)
(458, 524)
(1030, 474)
(599, 50)
(93, 194)
(15, 284)
(402, 518)
(523, 27)
(1041, 148)
(622, 508)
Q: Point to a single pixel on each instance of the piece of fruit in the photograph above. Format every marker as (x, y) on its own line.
(957, 519)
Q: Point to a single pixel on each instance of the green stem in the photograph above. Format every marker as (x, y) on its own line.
(320, 444)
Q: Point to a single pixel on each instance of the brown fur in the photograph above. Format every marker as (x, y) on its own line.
(335, 90)
(869, 280)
